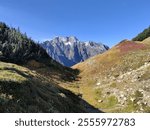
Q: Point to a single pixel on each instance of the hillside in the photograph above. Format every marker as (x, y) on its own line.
(23, 90)
(143, 35)
(117, 80)
(28, 78)
(17, 48)
(146, 41)
(69, 50)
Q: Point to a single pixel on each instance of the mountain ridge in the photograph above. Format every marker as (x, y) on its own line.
(70, 51)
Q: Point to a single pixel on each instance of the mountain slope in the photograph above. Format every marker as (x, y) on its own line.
(16, 47)
(70, 51)
(30, 84)
(22, 90)
(146, 41)
(118, 79)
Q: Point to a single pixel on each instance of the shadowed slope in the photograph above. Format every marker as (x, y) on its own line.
(22, 90)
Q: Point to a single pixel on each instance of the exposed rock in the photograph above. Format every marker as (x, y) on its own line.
(70, 51)
(98, 84)
(100, 101)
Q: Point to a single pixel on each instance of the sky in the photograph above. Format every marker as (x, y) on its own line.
(106, 21)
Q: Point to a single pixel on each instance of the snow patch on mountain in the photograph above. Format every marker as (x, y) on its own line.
(70, 51)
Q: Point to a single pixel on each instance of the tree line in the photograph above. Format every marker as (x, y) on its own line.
(143, 35)
(16, 47)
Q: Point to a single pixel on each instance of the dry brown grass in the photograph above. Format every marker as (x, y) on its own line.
(23, 90)
(122, 58)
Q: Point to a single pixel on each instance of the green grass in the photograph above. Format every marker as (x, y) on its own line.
(109, 102)
(132, 106)
(76, 86)
(98, 92)
(23, 90)
(12, 72)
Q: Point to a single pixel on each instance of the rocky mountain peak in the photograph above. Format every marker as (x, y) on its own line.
(73, 39)
(61, 39)
(70, 51)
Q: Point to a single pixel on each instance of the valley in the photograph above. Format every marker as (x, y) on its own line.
(118, 80)
(105, 80)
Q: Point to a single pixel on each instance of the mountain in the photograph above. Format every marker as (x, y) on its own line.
(17, 48)
(28, 78)
(70, 51)
(117, 80)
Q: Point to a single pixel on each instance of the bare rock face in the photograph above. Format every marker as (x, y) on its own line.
(70, 51)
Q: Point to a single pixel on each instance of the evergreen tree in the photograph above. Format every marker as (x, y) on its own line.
(17, 47)
(143, 35)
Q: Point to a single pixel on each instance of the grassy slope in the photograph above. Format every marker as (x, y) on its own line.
(109, 81)
(23, 90)
(33, 89)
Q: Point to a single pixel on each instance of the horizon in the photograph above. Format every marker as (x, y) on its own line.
(94, 20)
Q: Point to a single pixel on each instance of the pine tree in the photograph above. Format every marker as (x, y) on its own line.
(143, 35)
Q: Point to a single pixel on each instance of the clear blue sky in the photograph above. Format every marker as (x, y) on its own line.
(107, 21)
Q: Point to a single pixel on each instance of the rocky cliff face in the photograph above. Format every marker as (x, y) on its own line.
(70, 51)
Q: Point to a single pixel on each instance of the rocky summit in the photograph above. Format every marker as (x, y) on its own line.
(70, 51)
